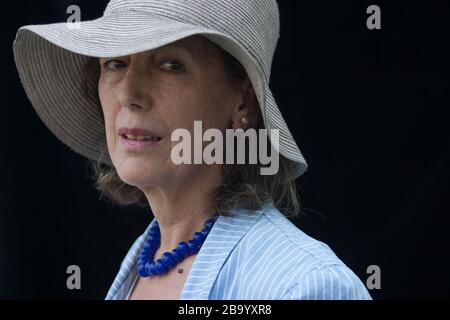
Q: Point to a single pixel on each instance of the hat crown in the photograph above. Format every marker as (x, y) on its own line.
(254, 24)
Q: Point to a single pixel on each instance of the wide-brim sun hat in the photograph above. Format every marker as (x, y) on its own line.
(53, 61)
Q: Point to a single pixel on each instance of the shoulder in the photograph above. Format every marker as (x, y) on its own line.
(333, 282)
(273, 233)
(305, 268)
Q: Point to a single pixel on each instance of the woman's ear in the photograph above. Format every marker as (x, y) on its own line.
(245, 112)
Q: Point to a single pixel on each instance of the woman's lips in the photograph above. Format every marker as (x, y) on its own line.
(138, 138)
(137, 132)
(138, 144)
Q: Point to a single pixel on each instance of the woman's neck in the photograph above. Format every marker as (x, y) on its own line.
(183, 208)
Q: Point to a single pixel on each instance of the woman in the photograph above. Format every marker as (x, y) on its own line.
(118, 88)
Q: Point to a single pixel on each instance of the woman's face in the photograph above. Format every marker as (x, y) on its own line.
(160, 91)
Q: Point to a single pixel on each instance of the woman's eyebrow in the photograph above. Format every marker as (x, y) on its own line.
(187, 49)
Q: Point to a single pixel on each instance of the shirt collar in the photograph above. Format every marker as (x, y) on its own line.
(223, 237)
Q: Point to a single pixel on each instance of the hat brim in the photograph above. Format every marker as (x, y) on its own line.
(54, 65)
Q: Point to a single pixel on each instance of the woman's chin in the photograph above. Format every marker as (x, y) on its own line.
(140, 177)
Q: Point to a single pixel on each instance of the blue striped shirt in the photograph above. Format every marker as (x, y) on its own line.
(255, 255)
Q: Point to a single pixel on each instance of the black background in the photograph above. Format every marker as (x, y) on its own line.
(368, 108)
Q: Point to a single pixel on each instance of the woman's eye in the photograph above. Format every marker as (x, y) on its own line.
(114, 65)
(173, 65)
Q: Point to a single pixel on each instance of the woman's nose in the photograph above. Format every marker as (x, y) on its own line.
(134, 89)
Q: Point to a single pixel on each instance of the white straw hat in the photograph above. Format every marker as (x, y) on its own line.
(53, 60)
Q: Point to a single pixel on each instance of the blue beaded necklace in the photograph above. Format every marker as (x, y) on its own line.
(147, 267)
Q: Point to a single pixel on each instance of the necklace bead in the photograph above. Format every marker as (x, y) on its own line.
(147, 267)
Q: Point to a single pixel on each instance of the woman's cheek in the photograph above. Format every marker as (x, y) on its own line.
(110, 116)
